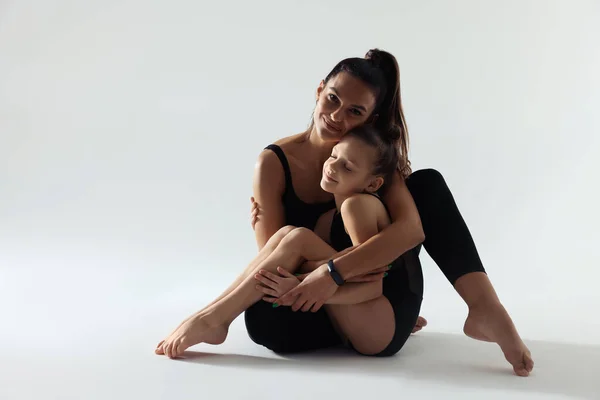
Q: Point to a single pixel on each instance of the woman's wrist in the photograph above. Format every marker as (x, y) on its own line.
(379, 251)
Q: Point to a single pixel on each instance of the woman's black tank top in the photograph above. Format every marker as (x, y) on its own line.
(297, 212)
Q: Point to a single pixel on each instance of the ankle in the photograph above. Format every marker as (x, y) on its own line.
(477, 291)
(485, 305)
(213, 317)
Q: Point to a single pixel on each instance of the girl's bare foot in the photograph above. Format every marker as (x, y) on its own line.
(196, 329)
(421, 323)
(493, 324)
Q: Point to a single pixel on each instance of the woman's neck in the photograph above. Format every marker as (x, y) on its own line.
(320, 148)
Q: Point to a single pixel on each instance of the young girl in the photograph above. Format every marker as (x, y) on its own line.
(374, 317)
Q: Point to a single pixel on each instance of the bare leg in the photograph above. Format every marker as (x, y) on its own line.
(211, 324)
(267, 249)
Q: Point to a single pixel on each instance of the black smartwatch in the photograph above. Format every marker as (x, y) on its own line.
(337, 278)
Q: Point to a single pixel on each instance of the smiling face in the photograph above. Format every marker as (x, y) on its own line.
(343, 103)
(350, 167)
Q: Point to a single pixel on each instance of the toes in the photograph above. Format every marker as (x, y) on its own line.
(528, 362)
(169, 350)
(420, 324)
(181, 347)
(521, 371)
(159, 348)
(524, 367)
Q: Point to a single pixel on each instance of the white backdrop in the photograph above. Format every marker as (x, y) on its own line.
(129, 132)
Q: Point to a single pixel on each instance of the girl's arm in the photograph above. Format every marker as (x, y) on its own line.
(383, 248)
(268, 187)
(359, 214)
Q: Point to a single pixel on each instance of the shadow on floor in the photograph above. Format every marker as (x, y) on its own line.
(560, 368)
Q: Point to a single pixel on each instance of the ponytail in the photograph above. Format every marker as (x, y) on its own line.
(390, 118)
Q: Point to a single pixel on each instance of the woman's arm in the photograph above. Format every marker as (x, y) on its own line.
(403, 234)
(268, 186)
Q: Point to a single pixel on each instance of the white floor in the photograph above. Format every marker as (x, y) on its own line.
(89, 333)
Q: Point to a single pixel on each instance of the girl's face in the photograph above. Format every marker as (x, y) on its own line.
(349, 169)
(344, 103)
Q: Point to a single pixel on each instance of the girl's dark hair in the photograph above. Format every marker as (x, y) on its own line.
(379, 69)
(387, 152)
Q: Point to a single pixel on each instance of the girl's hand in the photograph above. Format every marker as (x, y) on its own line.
(275, 286)
(253, 212)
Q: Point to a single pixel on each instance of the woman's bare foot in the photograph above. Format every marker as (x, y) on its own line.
(196, 329)
(493, 324)
(421, 323)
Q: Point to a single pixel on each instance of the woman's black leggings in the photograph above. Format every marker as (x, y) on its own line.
(447, 240)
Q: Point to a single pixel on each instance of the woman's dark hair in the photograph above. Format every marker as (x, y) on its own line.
(387, 152)
(379, 69)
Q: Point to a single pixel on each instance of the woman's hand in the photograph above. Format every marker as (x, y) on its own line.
(253, 211)
(372, 276)
(274, 286)
(312, 292)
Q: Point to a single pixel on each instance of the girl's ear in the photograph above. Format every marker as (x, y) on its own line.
(375, 184)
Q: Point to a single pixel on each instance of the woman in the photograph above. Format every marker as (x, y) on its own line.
(422, 208)
(362, 91)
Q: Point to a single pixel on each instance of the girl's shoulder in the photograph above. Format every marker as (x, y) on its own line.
(366, 208)
(363, 203)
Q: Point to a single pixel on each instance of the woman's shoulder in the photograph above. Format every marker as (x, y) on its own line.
(268, 158)
(290, 143)
(269, 166)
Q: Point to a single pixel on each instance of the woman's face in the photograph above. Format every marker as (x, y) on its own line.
(344, 103)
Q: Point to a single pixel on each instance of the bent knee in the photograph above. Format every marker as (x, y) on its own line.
(428, 175)
(371, 349)
(297, 235)
(284, 231)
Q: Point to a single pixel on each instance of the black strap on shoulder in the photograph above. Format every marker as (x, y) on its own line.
(381, 200)
(373, 194)
(284, 163)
